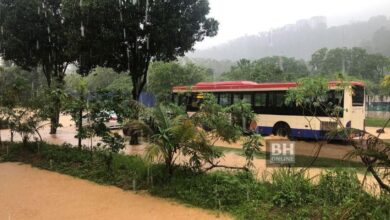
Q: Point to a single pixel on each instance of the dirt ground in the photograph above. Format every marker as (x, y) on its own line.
(31, 193)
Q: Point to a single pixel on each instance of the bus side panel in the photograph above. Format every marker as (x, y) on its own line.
(301, 127)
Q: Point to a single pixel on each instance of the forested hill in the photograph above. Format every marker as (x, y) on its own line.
(303, 38)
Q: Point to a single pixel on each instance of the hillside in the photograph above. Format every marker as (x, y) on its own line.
(301, 39)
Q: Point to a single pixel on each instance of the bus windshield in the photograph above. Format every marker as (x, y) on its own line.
(358, 96)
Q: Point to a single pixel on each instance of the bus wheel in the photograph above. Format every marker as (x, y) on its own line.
(281, 129)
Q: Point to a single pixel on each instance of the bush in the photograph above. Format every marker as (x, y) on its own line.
(336, 186)
(217, 190)
(291, 188)
(290, 194)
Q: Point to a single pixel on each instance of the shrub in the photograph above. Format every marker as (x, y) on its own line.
(338, 185)
(217, 190)
(290, 194)
(291, 188)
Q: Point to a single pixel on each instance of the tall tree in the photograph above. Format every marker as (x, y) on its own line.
(356, 62)
(127, 35)
(163, 76)
(33, 34)
(267, 69)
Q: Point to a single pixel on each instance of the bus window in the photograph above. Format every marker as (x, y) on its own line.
(236, 98)
(183, 100)
(260, 99)
(247, 98)
(335, 98)
(224, 99)
(196, 101)
(276, 99)
(175, 98)
(358, 96)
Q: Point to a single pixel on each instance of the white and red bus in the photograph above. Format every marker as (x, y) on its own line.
(273, 115)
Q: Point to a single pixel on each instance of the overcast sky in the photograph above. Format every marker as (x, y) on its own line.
(246, 17)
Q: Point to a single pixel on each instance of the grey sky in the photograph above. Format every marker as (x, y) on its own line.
(245, 17)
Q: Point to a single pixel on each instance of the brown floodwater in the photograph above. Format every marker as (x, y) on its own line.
(66, 134)
(31, 193)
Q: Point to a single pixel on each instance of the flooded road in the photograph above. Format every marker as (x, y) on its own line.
(66, 134)
(31, 193)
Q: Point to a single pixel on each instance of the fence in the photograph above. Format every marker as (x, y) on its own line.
(378, 107)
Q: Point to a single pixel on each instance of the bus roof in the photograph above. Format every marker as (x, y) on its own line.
(246, 86)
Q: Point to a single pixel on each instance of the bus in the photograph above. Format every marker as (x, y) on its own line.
(273, 115)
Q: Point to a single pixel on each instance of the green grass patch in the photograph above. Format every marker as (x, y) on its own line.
(289, 195)
(376, 122)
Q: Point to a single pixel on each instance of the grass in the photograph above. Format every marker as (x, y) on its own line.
(376, 122)
(289, 195)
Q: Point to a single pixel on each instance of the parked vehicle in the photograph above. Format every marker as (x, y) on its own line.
(110, 119)
(273, 116)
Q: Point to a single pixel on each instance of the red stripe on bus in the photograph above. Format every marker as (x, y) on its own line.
(248, 85)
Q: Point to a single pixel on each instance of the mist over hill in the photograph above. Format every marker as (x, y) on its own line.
(302, 39)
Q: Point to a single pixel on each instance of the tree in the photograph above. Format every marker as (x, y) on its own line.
(355, 62)
(385, 85)
(173, 134)
(20, 103)
(127, 35)
(267, 69)
(163, 76)
(76, 103)
(373, 152)
(34, 34)
(380, 42)
(317, 59)
(101, 79)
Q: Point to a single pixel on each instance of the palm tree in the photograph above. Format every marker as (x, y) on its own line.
(172, 133)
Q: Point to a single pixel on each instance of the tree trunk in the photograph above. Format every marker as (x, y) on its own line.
(138, 71)
(55, 115)
(134, 139)
(80, 127)
(1, 140)
(54, 122)
(12, 136)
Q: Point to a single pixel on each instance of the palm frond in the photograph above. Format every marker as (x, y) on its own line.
(132, 126)
(153, 153)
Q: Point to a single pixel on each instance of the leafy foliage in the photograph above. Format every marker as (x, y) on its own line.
(216, 120)
(174, 133)
(268, 69)
(293, 188)
(35, 34)
(252, 146)
(336, 186)
(385, 85)
(373, 152)
(163, 76)
(141, 32)
(238, 193)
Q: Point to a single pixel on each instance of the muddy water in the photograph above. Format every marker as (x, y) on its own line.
(30, 193)
(66, 134)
